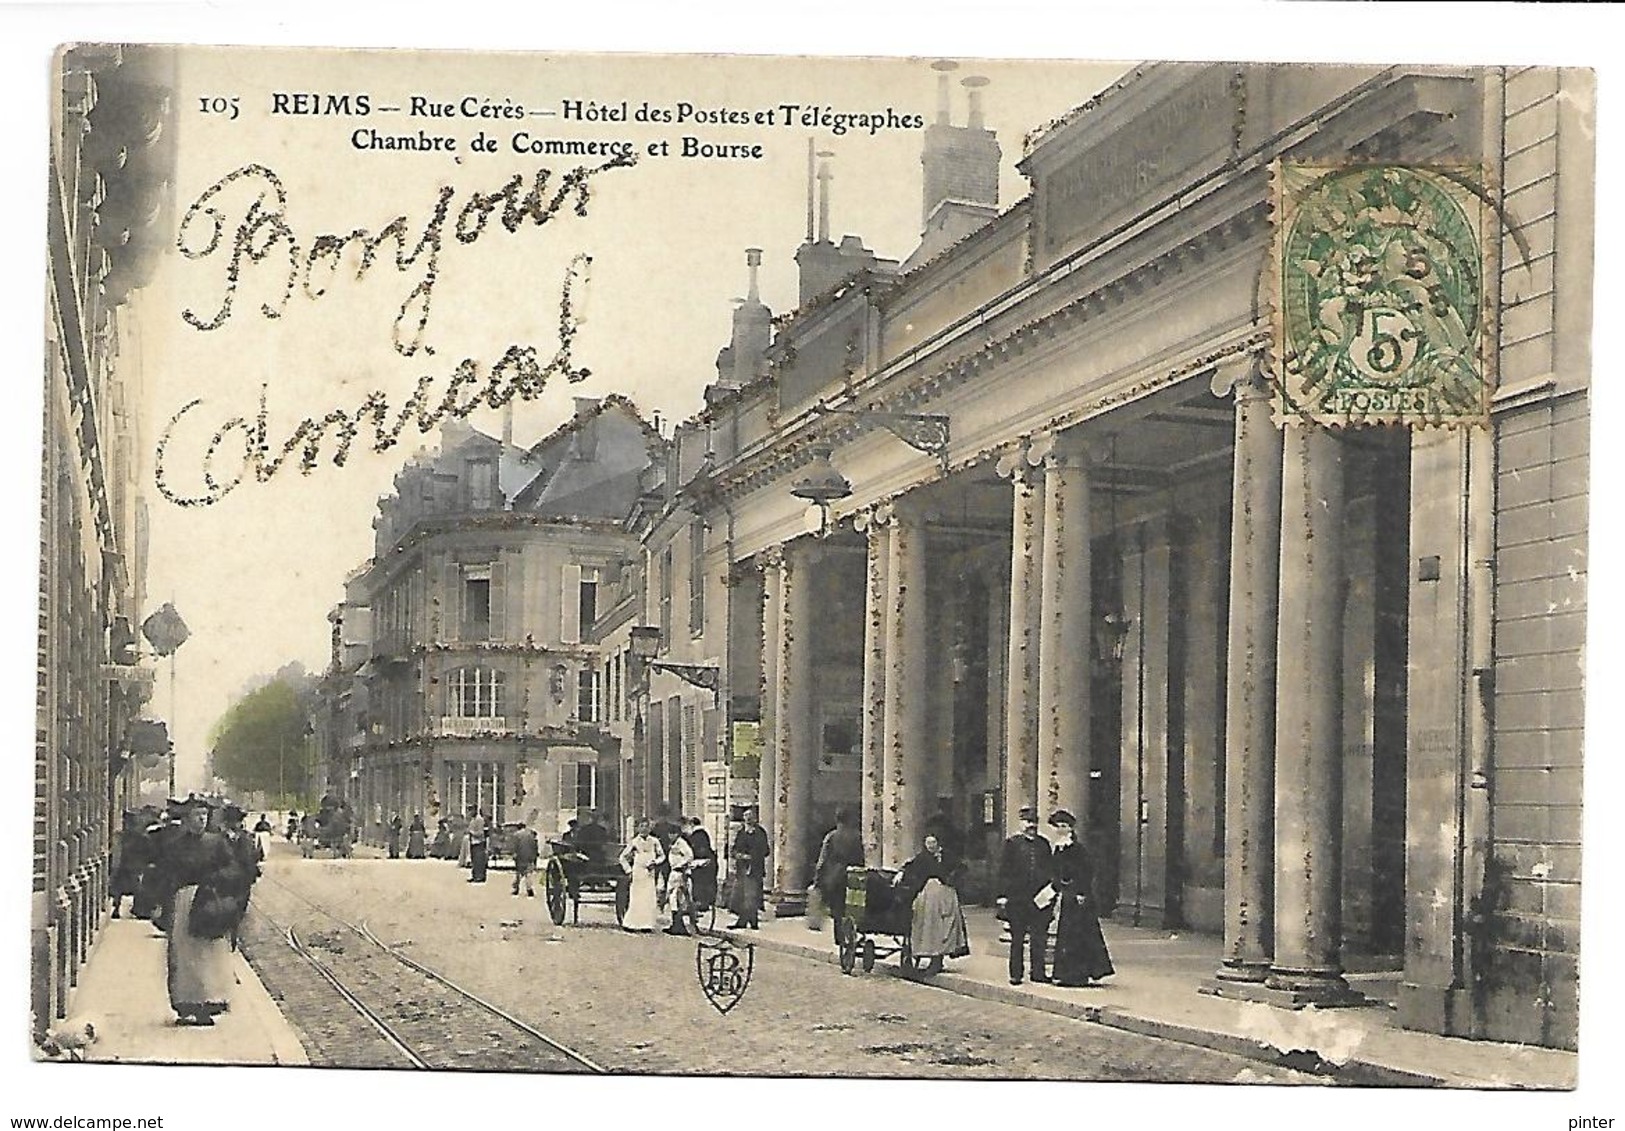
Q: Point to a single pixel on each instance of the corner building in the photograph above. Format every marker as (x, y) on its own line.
(1317, 692)
(463, 672)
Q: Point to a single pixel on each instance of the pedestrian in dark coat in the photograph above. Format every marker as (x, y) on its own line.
(392, 839)
(526, 851)
(133, 852)
(415, 838)
(748, 855)
(842, 849)
(1080, 948)
(703, 877)
(1025, 869)
(476, 837)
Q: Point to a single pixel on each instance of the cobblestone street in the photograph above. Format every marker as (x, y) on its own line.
(633, 1003)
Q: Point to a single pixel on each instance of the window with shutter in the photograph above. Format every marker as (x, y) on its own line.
(476, 602)
(691, 758)
(696, 577)
(451, 602)
(587, 599)
(674, 751)
(570, 605)
(498, 609)
(666, 567)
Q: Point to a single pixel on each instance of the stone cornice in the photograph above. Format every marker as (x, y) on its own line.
(404, 554)
(789, 453)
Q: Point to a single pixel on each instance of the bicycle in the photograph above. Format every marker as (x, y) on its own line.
(681, 896)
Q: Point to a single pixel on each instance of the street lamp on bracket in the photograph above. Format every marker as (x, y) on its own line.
(926, 432)
(821, 486)
(646, 645)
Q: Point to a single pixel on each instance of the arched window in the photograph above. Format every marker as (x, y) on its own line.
(477, 693)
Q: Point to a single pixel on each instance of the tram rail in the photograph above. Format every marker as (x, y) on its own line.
(522, 1047)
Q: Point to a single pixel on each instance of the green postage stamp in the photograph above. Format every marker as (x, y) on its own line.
(1381, 274)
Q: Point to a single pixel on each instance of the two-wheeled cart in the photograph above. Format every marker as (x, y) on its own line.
(578, 873)
(875, 908)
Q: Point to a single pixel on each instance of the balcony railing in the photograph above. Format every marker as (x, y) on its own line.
(456, 726)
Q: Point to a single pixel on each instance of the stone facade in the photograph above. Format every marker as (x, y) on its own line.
(1315, 691)
(111, 166)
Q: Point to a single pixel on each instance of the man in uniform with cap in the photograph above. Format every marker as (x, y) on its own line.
(1025, 869)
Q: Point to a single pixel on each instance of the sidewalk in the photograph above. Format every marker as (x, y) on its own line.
(122, 991)
(1155, 993)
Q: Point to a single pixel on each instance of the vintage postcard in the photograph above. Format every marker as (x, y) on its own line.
(939, 568)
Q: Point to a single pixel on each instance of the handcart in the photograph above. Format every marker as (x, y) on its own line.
(875, 907)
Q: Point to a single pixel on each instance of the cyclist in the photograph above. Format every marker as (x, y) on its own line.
(680, 858)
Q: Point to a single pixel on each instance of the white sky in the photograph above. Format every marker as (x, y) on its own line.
(255, 574)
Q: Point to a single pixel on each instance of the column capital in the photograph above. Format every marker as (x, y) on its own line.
(873, 518)
(1066, 449)
(1242, 375)
(1015, 465)
(901, 511)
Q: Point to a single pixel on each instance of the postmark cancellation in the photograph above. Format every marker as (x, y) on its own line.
(1381, 308)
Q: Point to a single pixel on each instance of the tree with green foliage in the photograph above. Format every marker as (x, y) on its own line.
(261, 742)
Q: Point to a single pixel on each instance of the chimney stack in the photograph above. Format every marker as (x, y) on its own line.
(753, 261)
(960, 189)
(943, 67)
(810, 164)
(973, 90)
(824, 178)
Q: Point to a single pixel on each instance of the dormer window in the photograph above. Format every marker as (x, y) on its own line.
(482, 484)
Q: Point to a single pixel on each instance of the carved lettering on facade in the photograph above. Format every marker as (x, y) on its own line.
(1171, 143)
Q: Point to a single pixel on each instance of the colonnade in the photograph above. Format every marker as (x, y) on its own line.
(1283, 744)
(1283, 752)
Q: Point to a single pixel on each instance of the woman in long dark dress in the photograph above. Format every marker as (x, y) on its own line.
(1080, 949)
(199, 954)
(415, 838)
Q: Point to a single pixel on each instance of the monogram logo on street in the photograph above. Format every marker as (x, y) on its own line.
(724, 969)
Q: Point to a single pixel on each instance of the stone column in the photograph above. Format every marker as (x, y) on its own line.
(1249, 738)
(1064, 639)
(1021, 673)
(1145, 801)
(795, 746)
(1307, 966)
(767, 773)
(876, 525)
(1361, 620)
(1451, 534)
(906, 772)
